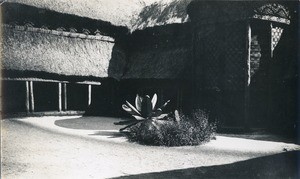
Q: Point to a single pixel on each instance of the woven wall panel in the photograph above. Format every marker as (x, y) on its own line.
(210, 60)
(234, 56)
(223, 55)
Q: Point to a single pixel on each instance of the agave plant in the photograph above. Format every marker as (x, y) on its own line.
(144, 109)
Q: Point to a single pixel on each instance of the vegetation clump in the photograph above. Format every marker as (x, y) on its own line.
(168, 129)
(190, 130)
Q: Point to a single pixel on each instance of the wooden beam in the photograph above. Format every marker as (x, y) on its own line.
(89, 94)
(31, 96)
(27, 100)
(59, 97)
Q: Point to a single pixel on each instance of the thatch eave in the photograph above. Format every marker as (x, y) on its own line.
(54, 54)
(25, 15)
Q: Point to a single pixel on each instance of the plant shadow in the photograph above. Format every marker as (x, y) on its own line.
(109, 134)
(89, 123)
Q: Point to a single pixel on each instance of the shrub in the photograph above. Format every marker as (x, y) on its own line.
(190, 130)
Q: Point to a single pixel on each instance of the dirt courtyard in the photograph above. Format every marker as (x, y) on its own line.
(91, 147)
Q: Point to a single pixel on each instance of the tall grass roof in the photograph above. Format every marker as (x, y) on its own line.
(52, 53)
(26, 15)
(134, 14)
(163, 52)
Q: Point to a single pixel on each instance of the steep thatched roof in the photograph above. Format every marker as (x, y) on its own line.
(161, 13)
(160, 53)
(25, 15)
(158, 64)
(47, 51)
(134, 14)
(118, 12)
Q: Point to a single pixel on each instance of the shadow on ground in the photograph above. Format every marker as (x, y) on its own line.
(108, 134)
(89, 123)
(282, 165)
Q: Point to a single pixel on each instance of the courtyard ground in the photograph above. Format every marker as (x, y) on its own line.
(92, 147)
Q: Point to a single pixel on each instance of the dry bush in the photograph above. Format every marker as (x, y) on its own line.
(190, 130)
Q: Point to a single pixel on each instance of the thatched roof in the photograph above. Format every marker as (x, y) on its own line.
(24, 15)
(28, 50)
(134, 14)
(158, 64)
(161, 13)
(118, 12)
(160, 53)
(140, 14)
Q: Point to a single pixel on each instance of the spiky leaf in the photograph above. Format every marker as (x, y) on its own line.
(164, 105)
(138, 103)
(133, 108)
(138, 117)
(160, 117)
(176, 114)
(154, 100)
(129, 110)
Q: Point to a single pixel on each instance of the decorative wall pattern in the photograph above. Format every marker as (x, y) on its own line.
(60, 31)
(276, 33)
(273, 12)
(255, 55)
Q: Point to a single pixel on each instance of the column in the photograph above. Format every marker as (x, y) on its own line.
(65, 103)
(247, 78)
(27, 100)
(31, 96)
(59, 98)
(89, 94)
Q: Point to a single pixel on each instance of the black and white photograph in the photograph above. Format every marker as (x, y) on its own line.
(150, 89)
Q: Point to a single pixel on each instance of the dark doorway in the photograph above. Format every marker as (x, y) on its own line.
(45, 96)
(77, 97)
(13, 96)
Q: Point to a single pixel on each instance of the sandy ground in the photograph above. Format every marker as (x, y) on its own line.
(91, 147)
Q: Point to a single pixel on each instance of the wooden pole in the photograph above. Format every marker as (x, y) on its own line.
(271, 27)
(89, 94)
(247, 78)
(27, 101)
(65, 99)
(31, 96)
(59, 97)
(269, 75)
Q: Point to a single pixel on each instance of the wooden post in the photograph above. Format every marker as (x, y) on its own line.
(271, 48)
(269, 76)
(27, 101)
(31, 96)
(65, 103)
(247, 78)
(59, 98)
(89, 94)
